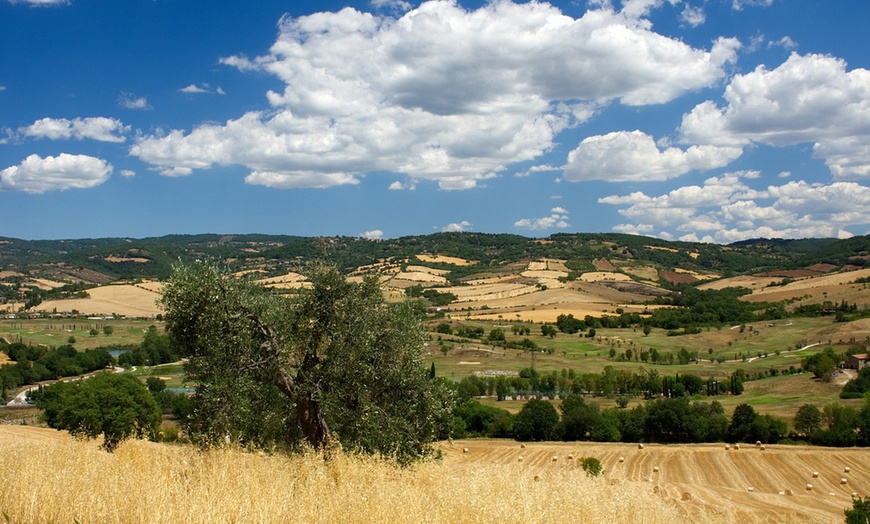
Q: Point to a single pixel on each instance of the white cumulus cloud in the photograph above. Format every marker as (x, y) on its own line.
(440, 93)
(557, 220)
(725, 209)
(98, 128)
(131, 101)
(808, 99)
(633, 156)
(38, 175)
(374, 234)
(457, 226)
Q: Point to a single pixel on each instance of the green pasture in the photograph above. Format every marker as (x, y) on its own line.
(752, 348)
(56, 332)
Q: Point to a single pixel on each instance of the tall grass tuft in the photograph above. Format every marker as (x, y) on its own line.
(61, 480)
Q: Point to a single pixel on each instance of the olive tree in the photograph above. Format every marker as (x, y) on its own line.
(334, 364)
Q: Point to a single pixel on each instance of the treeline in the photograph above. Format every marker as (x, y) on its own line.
(647, 383)
(486, 251)
(37, 363)
(155, 349)
(664, 420)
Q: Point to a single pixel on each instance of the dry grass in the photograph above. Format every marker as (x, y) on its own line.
(119, 299)
(51, 479)
(598, 276)
(441, 259)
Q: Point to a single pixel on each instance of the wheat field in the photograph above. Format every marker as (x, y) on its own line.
(46, 476)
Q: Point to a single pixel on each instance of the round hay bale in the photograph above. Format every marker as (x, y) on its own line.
(846, 469)
(555, 458)
(520, 458)
(815, 474)
(657, 489)
(831, 493)
(640, 446)
(522, 446)
(655, 469)
(570, 456)
(854, 494)
(782, 492)
(750, 489)
(736, 446)
(844, 481)
(727, 447)
(789, 493)
(757, 443)
(809, 487)
(465, 450)
(621, 460)
(762, 448)
(537, 478)
(687, 495)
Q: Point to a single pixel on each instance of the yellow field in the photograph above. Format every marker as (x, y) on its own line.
(703, 477)
(46, 476)
(477, 481)
(125, 300)
(440, 259)
(598, 276)
(820, 288)
(421, 276)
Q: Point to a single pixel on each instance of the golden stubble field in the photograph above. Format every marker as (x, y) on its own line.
(138, 300)
(477, 481)
(745, 485)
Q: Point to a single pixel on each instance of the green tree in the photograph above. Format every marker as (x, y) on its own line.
(108, 330)
(496, 335)
(537, 420)
(336, 363)
(116, 406)
(155, 385)
(860, 512)
(807, 420)
(548, 331)
(580, 419)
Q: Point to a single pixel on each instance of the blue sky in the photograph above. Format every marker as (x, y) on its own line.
(700, 120)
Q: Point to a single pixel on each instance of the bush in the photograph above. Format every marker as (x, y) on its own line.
(592, 466)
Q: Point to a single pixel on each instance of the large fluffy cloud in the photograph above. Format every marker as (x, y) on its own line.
(633, 156)
(807, 99)
(38, 175)
(97, 128)
(725, 209)
(441, 93)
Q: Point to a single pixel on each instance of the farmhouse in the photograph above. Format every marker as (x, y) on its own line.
(858, 361)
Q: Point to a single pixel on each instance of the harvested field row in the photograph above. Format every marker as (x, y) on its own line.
(488, 292)
(599, 276)
(124, 300)
(750, 484)
(421, 276)
(424, 269)
(440, 259)
(544, 274)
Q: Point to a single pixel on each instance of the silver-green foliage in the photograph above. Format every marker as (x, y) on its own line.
(336, 363)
